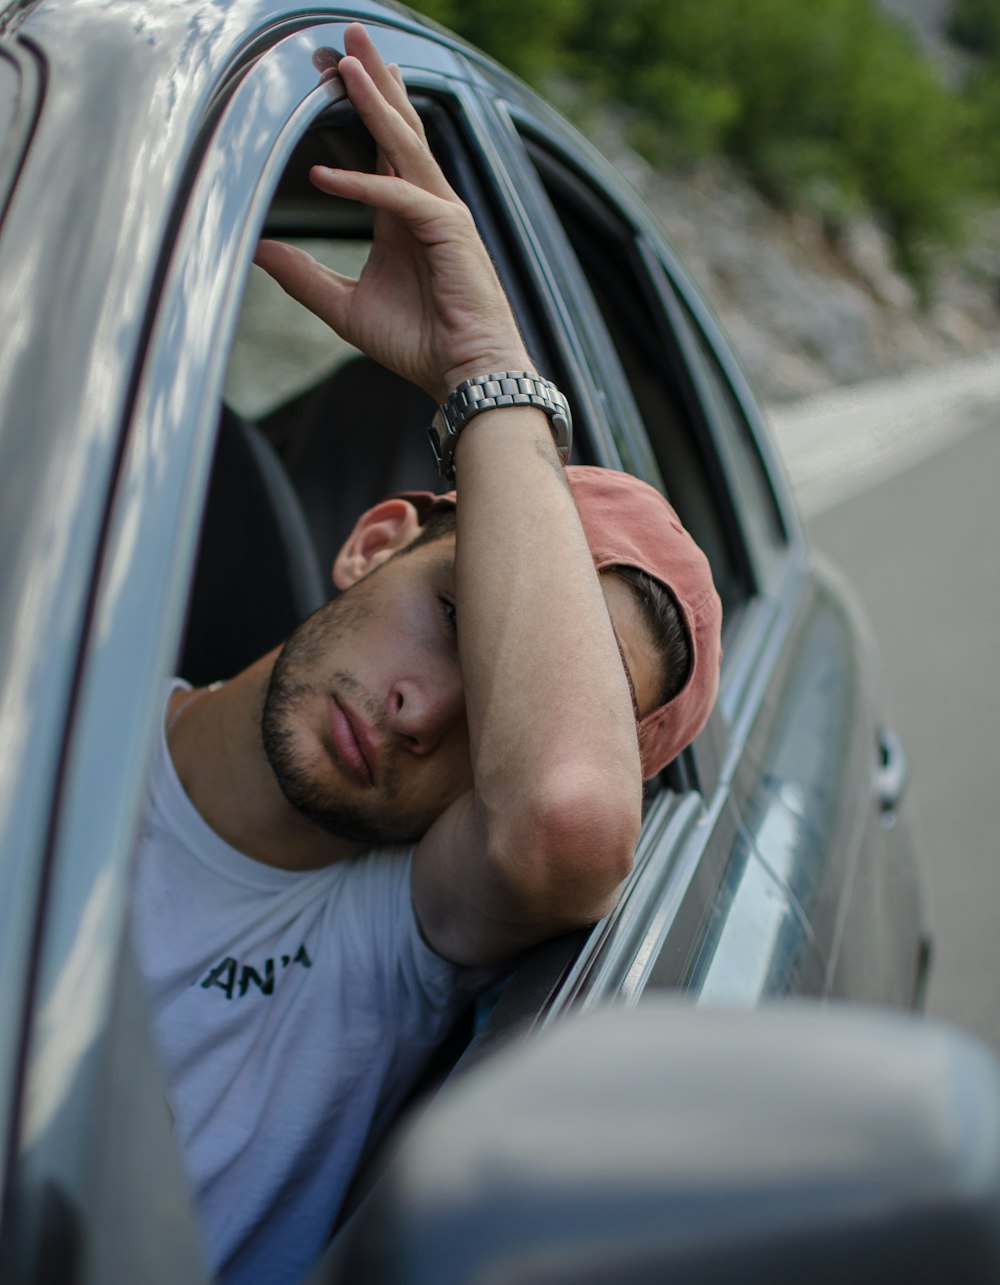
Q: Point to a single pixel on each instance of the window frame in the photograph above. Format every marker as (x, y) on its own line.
(679, 324)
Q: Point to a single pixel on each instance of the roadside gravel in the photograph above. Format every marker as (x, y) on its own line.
(840, 443)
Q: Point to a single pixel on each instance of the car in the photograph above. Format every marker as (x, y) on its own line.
(178, 457)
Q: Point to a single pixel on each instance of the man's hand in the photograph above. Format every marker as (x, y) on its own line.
(428, 303)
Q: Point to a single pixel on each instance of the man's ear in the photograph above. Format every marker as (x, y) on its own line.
(378, 534)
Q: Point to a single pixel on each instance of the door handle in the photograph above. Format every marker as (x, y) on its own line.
(892, 775)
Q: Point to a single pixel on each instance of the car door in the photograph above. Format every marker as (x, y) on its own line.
(764, 867)
(704, 910)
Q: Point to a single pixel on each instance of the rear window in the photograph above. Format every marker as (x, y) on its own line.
(614, 264)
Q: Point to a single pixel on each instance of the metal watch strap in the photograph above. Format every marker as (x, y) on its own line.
(488, 392)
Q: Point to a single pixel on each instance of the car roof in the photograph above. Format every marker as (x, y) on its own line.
(175, 36)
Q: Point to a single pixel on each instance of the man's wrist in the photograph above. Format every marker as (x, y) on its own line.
(498, 390)
(513, 358)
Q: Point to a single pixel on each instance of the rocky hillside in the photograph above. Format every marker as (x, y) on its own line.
(810, 304)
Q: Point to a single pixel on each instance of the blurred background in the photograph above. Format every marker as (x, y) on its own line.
(830, 173)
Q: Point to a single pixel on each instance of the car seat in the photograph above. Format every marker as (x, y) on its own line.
(355, 438)
(257, 573)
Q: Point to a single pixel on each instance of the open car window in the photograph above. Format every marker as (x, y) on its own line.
(611, 259)
(281, 350)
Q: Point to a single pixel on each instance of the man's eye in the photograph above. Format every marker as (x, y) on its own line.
(448, 612)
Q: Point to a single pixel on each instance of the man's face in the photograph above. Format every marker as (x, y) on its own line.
(364, 722)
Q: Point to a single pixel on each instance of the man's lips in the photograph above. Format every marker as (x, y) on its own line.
(354, 742)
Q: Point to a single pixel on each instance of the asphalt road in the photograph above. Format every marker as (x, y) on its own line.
(922, 548)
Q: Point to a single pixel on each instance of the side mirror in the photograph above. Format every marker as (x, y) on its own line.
(668, 1143)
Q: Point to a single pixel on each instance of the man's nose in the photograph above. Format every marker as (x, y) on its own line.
(422, 711)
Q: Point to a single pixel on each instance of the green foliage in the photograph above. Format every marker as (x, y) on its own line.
(827, 103)
(524, 35)
(975, 25)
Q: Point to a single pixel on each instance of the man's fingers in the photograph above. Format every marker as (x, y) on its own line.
(315, 286)
(403, 147)
(400, 99)
(386, 77)
(420, 210)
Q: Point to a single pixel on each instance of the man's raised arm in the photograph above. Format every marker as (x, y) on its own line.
(547, 833)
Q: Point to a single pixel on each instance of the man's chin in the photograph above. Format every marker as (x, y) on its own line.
(355, 829)
(340, 819)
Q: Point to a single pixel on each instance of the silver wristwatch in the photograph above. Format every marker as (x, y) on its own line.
(486, 392)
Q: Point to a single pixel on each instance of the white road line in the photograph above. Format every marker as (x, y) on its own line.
(843, 442)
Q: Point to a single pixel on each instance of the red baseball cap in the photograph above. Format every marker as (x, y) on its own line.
(628, 523)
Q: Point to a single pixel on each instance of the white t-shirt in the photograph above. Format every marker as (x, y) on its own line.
(292, 1011)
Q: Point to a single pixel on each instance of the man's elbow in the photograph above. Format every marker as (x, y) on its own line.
(571, 849)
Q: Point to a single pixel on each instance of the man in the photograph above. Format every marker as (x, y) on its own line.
(472, 696)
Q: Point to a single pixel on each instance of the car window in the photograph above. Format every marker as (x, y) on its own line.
(301, 405)
(748, 474)
(611, 257)
(281, 349)
(309, 393)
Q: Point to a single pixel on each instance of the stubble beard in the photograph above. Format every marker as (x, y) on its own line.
(294, 686)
